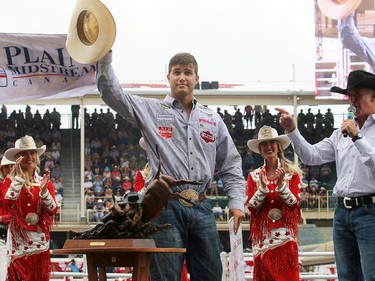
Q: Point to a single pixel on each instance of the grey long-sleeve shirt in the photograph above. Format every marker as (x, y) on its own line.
(355, 162)
(352, 40)
(191, 147)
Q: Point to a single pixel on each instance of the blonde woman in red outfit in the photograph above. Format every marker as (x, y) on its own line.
(32, 205)
(273, 202)
(5, 168)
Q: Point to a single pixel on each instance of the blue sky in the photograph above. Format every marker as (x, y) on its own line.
(233, 41)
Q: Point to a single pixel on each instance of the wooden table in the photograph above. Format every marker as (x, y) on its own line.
(102, 253)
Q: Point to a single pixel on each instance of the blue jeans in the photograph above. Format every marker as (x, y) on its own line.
(354, 243)
(193, 228)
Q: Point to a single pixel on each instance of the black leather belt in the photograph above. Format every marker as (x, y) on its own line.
(353, 202)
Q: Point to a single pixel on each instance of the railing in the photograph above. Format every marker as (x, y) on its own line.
(67, 275)
(303, 275)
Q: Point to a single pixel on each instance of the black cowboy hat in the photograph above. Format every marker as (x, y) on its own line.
(357, 79)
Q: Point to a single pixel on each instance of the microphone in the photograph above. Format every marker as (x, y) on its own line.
(351, 111)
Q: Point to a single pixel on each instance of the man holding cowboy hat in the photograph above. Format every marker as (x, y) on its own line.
(344, 11)
(354, 220)
(193, 142)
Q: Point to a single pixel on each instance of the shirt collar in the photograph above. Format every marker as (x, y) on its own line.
(175, 103)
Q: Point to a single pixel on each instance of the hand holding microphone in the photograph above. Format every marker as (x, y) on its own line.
(351, 111)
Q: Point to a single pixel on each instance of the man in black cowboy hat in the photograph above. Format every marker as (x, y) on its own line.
(352, 147)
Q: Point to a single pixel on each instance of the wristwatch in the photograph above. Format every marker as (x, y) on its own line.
(357, 137)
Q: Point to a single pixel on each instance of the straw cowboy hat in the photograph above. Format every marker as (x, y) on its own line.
(91, 33)
(5, 162)
(357, 79)
(142, 143)
(23, 144)
(338, 9)
(267, 133)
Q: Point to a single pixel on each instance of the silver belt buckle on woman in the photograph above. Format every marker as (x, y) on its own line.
(275, 214)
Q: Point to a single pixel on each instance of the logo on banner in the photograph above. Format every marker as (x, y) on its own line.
(3, 78)
(35, 66)
(165, 132)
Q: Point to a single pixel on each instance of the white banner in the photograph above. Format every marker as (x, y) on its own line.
(236, 262)
(38, 66)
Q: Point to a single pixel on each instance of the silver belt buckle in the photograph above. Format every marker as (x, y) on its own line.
(32, 218)
(275, 214)
(189, 194)
(344, 201)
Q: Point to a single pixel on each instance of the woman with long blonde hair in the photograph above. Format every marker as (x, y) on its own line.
(32, 205)
(273, 202)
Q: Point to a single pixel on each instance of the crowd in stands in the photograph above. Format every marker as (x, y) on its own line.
(113, 156)
(44, 129)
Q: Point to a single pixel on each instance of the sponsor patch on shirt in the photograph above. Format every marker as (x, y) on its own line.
(165, 132)
(163, 105)
(165, 119)
(206, 121)
(207, 136)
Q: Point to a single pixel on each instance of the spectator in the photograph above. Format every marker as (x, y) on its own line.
(97, 184)
(59, 186)
(56, 172)
(117, 184)
(108, 195)
(118, 196)
(127, 184)
(220, 187)
(249, 113)
(73, 266)
(99, 211)
(55, 118)
(59, 201)
(313, 183)
(55, 155)
(214, 189)
(313, 197)
(323, 197)
(56, 145)
(89, 174)
(75, 114)
(49, 163)
(115, 172)
(38, 141)
(328, 117)
(114, 154)
(325, 172)
(106, 173)
(87, 184)
(304, 197)
(218, 212)
(90, 199)
(258, 110)
(56, 134)
(96, 145)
